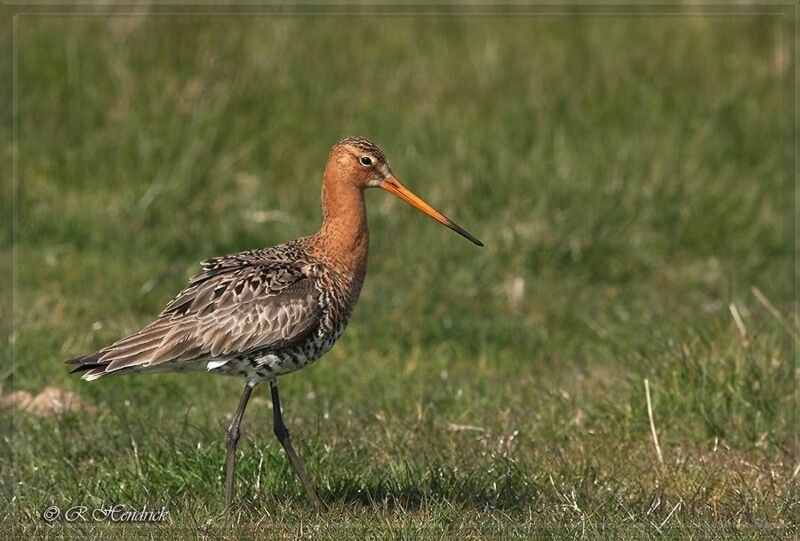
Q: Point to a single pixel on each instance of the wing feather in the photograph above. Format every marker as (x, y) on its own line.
(234, 306)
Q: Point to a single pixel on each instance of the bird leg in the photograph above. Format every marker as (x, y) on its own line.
(233, 439)
(282, 433)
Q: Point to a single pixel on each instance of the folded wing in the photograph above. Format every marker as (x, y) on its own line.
(235, 306)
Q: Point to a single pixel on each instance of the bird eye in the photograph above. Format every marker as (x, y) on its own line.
(366, 161)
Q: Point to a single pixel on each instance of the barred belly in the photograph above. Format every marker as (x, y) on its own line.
(271, 363)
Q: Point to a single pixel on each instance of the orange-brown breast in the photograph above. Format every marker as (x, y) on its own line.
(343, 240)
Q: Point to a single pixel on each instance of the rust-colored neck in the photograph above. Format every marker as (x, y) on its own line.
(343, 239)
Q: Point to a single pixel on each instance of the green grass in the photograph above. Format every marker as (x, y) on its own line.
(627, 175)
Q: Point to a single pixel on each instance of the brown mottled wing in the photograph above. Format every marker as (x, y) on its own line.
(237, 304)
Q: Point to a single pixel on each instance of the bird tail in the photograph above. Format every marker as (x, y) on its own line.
(91, 364)
(151, 348)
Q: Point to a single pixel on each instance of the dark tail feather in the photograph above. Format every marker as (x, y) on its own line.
(86, 362)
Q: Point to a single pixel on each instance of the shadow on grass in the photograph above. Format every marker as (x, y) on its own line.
(504, 486)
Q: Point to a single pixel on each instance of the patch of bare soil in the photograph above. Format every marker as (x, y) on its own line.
(50, 402)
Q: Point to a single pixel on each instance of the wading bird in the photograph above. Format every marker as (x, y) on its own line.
(267, 312)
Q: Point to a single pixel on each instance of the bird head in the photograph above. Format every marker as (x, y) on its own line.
(363, 164)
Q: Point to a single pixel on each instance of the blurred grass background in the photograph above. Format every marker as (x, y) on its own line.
(627, 175)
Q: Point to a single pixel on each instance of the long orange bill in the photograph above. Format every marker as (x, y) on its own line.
(393, 186)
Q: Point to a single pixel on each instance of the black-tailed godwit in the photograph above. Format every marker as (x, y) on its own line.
(267, 312)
